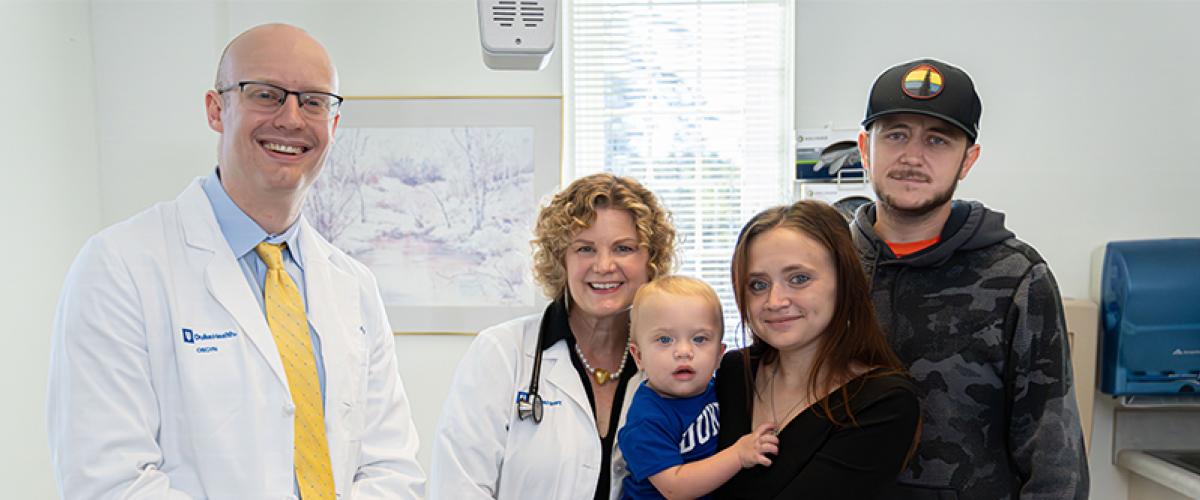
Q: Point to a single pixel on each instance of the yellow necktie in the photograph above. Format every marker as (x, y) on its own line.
(285, 316)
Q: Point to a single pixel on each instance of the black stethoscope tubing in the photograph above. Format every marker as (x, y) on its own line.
(530, 405)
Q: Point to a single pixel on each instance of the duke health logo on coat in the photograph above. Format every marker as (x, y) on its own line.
(191, 337)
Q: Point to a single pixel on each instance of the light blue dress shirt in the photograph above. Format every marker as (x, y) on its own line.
(243, 234)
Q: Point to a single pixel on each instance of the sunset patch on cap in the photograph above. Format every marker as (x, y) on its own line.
(922, 82)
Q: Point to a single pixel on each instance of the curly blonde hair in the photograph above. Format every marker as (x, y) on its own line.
(574, 209)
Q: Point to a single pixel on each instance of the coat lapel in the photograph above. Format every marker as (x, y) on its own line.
(332, 294)
(561, 374)
(223, 276)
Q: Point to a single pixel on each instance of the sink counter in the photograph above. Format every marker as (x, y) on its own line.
(1166, 478)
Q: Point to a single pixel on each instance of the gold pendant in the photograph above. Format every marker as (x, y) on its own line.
(602, 376)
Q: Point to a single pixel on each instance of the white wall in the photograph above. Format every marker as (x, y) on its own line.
(150, 149)
(48, 206)
(154, 61)
(427, 364)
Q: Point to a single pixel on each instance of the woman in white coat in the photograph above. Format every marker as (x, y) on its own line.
(513, 429)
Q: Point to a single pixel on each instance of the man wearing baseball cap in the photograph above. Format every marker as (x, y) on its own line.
(973, 311)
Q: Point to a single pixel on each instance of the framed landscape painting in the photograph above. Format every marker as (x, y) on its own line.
(438, 196)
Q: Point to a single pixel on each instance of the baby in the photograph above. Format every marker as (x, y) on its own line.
(670, 435)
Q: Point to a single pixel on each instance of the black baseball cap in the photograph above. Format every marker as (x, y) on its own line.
(926, 87)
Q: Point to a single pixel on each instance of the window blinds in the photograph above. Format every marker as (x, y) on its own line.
(693, 99)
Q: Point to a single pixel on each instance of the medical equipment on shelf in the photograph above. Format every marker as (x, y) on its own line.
(829, 169)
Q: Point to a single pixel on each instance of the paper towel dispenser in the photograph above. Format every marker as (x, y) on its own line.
(1150, 318)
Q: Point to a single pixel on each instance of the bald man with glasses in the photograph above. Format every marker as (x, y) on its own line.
(216, 346)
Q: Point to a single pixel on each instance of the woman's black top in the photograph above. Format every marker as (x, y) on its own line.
(817, 459)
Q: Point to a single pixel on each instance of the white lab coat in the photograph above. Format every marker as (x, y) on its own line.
(483, 450)
(136, 411)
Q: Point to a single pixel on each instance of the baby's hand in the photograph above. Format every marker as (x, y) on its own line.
(752, 449)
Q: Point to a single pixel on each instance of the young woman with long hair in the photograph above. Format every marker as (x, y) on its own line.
(818, 369)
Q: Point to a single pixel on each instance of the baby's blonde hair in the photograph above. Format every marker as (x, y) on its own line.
(679, 286)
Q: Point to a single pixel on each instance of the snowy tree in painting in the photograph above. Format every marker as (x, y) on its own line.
(336, 202)
(442, 216)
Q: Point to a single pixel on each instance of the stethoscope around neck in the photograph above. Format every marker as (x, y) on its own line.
(530, 403)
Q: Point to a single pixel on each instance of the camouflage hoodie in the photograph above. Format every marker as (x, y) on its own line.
(978, 320)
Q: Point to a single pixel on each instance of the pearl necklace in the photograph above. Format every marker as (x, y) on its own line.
(601, 375)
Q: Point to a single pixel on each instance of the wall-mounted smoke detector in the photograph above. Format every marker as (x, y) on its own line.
(517, 34)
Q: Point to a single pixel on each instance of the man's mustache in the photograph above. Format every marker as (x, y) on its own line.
(906, 175)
